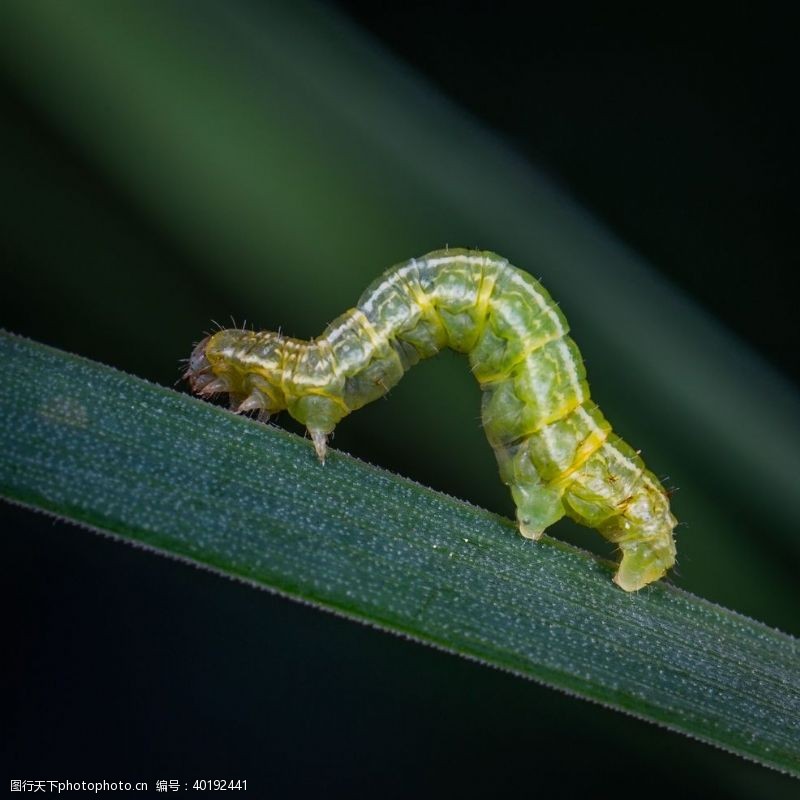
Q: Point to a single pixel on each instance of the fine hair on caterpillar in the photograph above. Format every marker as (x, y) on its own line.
(555, 450)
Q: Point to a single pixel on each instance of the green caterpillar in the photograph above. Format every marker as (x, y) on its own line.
(554, 448)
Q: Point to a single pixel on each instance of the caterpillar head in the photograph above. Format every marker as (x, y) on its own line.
(246, 365)
(267, 372)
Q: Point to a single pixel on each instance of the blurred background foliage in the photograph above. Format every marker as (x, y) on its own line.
(170, 163)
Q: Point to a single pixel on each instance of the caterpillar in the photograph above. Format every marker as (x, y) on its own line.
(555, 450)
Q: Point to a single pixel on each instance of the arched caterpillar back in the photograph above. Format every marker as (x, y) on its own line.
(554, 447)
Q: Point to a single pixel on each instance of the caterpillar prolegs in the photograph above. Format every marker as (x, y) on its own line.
(555, 449)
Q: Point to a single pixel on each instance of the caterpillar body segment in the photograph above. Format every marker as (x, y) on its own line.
(554, 448)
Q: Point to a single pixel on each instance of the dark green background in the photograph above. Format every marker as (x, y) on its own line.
(265, 202)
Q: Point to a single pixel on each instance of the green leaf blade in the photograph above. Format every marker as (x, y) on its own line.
(163, 470)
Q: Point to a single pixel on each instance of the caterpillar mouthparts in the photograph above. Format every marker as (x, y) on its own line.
(199, 372)
(555, 450)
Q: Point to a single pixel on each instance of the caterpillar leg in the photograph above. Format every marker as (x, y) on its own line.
(320, 440)
(537, 509)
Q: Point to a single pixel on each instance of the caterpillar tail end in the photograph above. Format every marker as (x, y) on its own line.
(644, 562)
